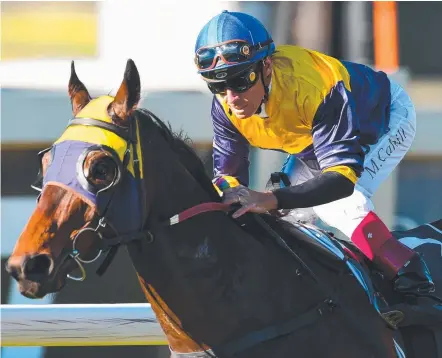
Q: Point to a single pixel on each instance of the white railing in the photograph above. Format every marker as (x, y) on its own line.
(79, 325)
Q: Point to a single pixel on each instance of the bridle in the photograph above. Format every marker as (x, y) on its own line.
(106, 244)
(111, 244)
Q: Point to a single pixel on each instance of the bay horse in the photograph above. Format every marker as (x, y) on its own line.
(219, 287)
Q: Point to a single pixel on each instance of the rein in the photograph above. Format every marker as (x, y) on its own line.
(111, 245)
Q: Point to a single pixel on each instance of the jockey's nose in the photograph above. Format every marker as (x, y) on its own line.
(231, 96)
(32, 268)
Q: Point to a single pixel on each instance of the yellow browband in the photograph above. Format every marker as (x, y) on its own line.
(97, 109)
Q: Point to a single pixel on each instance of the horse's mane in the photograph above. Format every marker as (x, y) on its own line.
(181, 144)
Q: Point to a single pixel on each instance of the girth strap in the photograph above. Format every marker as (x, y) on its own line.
(311, 316)
(265, 334)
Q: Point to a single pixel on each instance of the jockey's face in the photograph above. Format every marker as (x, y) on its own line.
(245, 104)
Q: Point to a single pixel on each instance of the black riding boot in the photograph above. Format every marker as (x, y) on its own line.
(414, 277)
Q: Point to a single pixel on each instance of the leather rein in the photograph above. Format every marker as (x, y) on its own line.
(111, 245)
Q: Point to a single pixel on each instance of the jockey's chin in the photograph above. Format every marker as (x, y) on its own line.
(245, 112)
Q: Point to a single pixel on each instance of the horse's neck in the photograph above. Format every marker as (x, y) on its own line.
(162, 281)
(176, 191)
(208, 274)
(216, 280)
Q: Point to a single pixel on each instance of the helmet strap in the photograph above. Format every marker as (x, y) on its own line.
(266, 89)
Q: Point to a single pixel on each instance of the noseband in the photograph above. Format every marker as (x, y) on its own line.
(111, 245)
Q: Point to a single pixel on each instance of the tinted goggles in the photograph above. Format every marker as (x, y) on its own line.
(240, 83)
(230, 52)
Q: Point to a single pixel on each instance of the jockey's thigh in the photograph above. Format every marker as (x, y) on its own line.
(383, 157)
(347, 213)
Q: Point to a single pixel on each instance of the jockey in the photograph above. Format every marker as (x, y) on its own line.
(344, 126)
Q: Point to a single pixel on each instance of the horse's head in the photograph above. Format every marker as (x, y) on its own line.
(93, 168)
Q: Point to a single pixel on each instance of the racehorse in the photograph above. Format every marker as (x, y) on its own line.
(219, 287)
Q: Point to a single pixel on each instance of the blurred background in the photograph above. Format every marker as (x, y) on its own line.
(39, 39)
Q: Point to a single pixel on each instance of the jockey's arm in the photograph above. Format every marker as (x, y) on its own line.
(335, 132)
(325, 188)
(230, 148)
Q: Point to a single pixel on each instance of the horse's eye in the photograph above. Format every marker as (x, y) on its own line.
(102, 171)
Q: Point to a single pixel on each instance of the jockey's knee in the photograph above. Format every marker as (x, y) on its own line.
(347, 213)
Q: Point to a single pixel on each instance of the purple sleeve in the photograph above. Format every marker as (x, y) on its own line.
(336, 132)
(230, 148)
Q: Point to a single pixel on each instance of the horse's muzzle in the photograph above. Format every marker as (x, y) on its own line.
(36, 275)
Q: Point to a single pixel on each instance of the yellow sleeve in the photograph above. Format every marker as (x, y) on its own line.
(348, 172)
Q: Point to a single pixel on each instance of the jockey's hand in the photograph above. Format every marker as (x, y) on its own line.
(251, 201)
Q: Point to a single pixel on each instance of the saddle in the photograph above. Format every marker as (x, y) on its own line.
(411, 311)
(329, 250)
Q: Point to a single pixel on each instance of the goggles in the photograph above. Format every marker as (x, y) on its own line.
(240, 83)
(230, 52)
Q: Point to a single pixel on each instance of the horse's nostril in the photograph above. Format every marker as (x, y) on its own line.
(37, 267)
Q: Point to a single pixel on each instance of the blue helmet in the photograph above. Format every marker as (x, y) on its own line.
(231, 42)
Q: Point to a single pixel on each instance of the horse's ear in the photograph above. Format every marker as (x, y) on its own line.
(128, 95)
(77, 92)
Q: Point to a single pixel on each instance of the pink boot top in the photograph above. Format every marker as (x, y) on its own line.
(376, 242)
